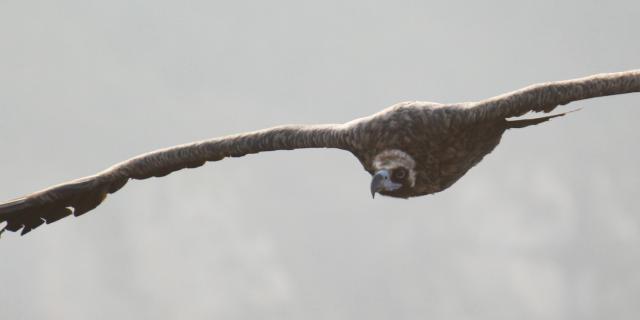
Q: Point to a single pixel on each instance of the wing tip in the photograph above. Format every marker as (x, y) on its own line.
(28, 213)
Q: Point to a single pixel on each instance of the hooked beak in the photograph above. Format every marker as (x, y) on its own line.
(377, 183)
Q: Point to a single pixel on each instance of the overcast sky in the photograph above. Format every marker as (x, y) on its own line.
(546, 227)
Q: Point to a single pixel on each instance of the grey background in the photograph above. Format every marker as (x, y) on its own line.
(547, 227)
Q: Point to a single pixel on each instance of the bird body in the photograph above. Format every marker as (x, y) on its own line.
(410, 149)
(444, 141)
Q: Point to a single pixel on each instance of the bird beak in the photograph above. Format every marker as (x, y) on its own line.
(377, 183)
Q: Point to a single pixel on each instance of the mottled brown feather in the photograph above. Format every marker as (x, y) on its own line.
(545, 97)
(445, 140)
(85, 194)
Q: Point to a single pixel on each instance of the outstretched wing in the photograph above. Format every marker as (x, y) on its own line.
(547, 96)
(82, 195)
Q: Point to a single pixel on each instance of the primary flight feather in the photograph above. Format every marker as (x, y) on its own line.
(410, 149)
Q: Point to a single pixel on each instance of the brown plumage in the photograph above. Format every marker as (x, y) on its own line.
(411, 149)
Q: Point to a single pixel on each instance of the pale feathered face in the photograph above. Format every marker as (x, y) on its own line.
(394, 174)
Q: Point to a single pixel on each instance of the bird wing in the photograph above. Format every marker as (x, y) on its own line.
(547, 96)
(82, 195)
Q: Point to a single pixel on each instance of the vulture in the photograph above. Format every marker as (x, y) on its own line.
(410, 149)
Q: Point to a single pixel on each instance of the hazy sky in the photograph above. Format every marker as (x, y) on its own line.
(546, 227)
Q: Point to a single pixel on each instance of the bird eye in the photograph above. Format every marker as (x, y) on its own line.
(400, 174)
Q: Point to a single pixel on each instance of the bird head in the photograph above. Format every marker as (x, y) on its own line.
(394, 174)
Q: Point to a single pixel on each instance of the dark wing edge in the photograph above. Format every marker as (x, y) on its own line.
(82, 195)
(545, 97)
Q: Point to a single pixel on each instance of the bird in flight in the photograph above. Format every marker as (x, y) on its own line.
(410, 149)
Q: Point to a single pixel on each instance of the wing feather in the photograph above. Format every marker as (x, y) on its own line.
(80, 196)
(545, 97)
